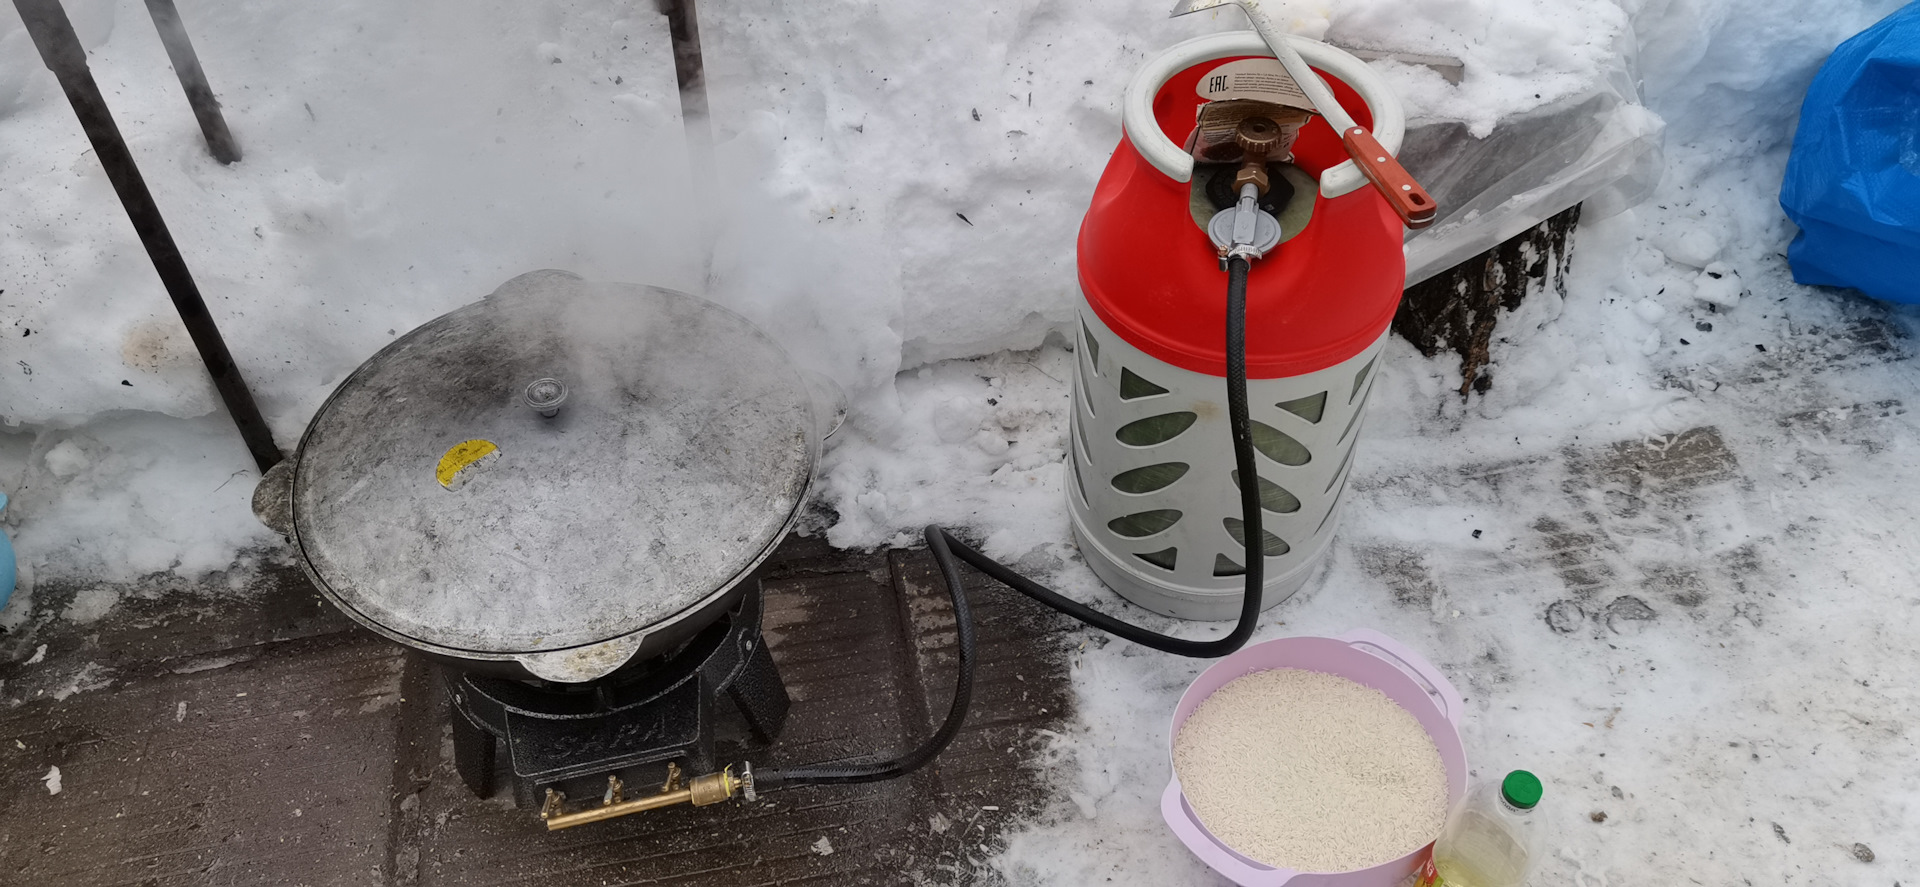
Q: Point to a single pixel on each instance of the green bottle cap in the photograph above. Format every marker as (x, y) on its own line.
(1521, 789)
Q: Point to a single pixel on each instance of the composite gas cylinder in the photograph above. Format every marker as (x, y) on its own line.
(1153, 495)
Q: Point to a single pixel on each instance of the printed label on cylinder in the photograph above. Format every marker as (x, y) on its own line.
(1261, 79)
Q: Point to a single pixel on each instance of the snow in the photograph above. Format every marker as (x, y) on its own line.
(980, 443)
(1518, 56)
(132, 493)
(1712, 651)
(88, 677)
(90, 604)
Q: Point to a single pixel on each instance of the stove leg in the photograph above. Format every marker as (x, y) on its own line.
(473, 750)
(761, 695)
(527, 795)
(697, 757)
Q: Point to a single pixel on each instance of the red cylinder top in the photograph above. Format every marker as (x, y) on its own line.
(1154, 277)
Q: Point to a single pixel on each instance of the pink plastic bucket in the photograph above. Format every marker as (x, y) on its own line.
(1365, 657)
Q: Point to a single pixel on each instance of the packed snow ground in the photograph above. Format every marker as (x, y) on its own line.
(1687, 603)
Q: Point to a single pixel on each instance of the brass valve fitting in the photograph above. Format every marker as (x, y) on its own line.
(1257, 136)
(712, 788)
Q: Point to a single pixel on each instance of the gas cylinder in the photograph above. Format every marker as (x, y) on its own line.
(1154, 496)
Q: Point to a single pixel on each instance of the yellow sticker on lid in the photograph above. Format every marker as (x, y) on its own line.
(455, 466)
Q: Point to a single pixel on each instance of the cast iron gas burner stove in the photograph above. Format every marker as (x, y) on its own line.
(570, 738)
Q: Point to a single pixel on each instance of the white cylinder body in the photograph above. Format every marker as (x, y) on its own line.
(1153, 497)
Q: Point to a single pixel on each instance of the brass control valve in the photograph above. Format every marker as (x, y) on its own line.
(702, 791)
(1258, 137)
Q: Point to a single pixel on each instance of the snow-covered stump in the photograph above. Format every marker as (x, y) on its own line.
(1458, 309)
(1510, 187)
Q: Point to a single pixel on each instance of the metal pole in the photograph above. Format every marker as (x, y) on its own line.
(173, 35)
(60, 48)
(683, 29)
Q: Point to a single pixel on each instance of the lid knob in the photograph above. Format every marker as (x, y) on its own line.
(546, 396)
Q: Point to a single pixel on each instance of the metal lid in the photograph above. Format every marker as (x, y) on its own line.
(434, 501)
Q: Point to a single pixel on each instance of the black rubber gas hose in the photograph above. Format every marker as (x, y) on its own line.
(856, 771)
(1240, 428)
(945, 547)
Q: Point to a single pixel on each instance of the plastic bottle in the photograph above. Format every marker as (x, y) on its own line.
(1491, 840)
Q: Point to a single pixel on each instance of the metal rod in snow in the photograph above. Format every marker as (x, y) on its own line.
(60, 48)
(173, 34)
(683, 29)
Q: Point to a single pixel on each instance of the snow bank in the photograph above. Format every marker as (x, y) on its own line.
(895, 185)
(962, 142)
(384, 183)
(1003, 277)
(1733, 71)
(401, 160)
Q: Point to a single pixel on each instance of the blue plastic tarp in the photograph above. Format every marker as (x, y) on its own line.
(6, 561)
(1853, 180)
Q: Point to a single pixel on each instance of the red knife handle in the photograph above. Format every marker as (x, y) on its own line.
(1412, 202)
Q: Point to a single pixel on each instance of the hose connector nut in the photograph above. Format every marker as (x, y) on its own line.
(546, 395)
(713, 788)
(1244, 230)
(1254, 174)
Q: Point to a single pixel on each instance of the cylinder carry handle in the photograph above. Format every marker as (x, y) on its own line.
(1143, 129)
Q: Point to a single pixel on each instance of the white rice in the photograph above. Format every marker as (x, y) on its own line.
(1310, 771)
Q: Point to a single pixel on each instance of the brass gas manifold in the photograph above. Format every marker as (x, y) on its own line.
(712, 788)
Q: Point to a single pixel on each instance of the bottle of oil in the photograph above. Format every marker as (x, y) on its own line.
(1491, 840)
